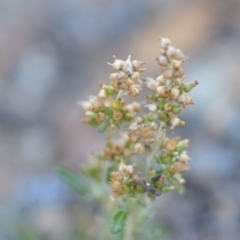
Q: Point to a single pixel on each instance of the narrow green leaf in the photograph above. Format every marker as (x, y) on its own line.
(72, 179)
(118, 221)
(103, 127)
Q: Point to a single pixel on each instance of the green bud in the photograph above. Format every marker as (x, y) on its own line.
(108, 111)
(152, 117)
(152, 97)
(178, 178)
(90, 114)
(167, 173)
(124, 189)
(159, 185)
(189, 86)
(117, 158)
(161, 104)
(182, 145)
(139, 189)
(177, 109)
(111, 121)
(117, 105)
(166, 158)
(163, 116)
(110, 90)
(127, 117)
(93, 122)
(167, 188)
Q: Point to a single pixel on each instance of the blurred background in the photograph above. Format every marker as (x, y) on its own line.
(54, 53)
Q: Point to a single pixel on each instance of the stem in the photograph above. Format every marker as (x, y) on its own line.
(129, 228)
(157, 145)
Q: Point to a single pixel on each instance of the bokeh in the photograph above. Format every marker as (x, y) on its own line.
(54, 53)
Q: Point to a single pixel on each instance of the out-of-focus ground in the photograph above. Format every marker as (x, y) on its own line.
(54, 53)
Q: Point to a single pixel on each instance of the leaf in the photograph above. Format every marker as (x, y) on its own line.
(118, 221)
(72, 179)
(103, 127)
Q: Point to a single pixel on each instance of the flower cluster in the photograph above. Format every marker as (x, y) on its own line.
(127, 75)
(168, 90)
(166, 158)
(120, 180)
(108, 109)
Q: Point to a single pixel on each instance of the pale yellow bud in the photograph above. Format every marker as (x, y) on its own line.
(167, 74)
(175, 121)
(102, 93)
(150, 83)
(183, 157)
(138, 120)
(145, 131)
(174, 93)
(134, 90)
(118, 176)
(179, 73)
(133, 137)
(122, 75)
(100, 117)
(138, 64)
(179, 81)
(86, 105)
(136, 77)
(122, 84)
(161, 80)
(133, 127)
(178, 167)
(108, 101)
(177, 64)
(162, 60)
(189, 101)
(117, 115)
(114, 195)
(185, 100)
(154, 126)
(168, 106)
(164, 42)
(180, 55)
(117, 64)
(115, 184)
(171, 52)
(121, 166)
(139, 148)
(162, 91)
(125, 169)
(114, 76)
(171, 144)
(149, 141)
(129, 108)
(127, 66)
(136, 106)
(182, 98)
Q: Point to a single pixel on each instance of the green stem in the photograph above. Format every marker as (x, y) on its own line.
(129, 227)
(157, 145)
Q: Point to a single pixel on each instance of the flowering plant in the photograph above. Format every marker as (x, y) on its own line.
(139, 161)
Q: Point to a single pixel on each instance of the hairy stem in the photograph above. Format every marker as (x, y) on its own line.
(130, 225)
(157, 145)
